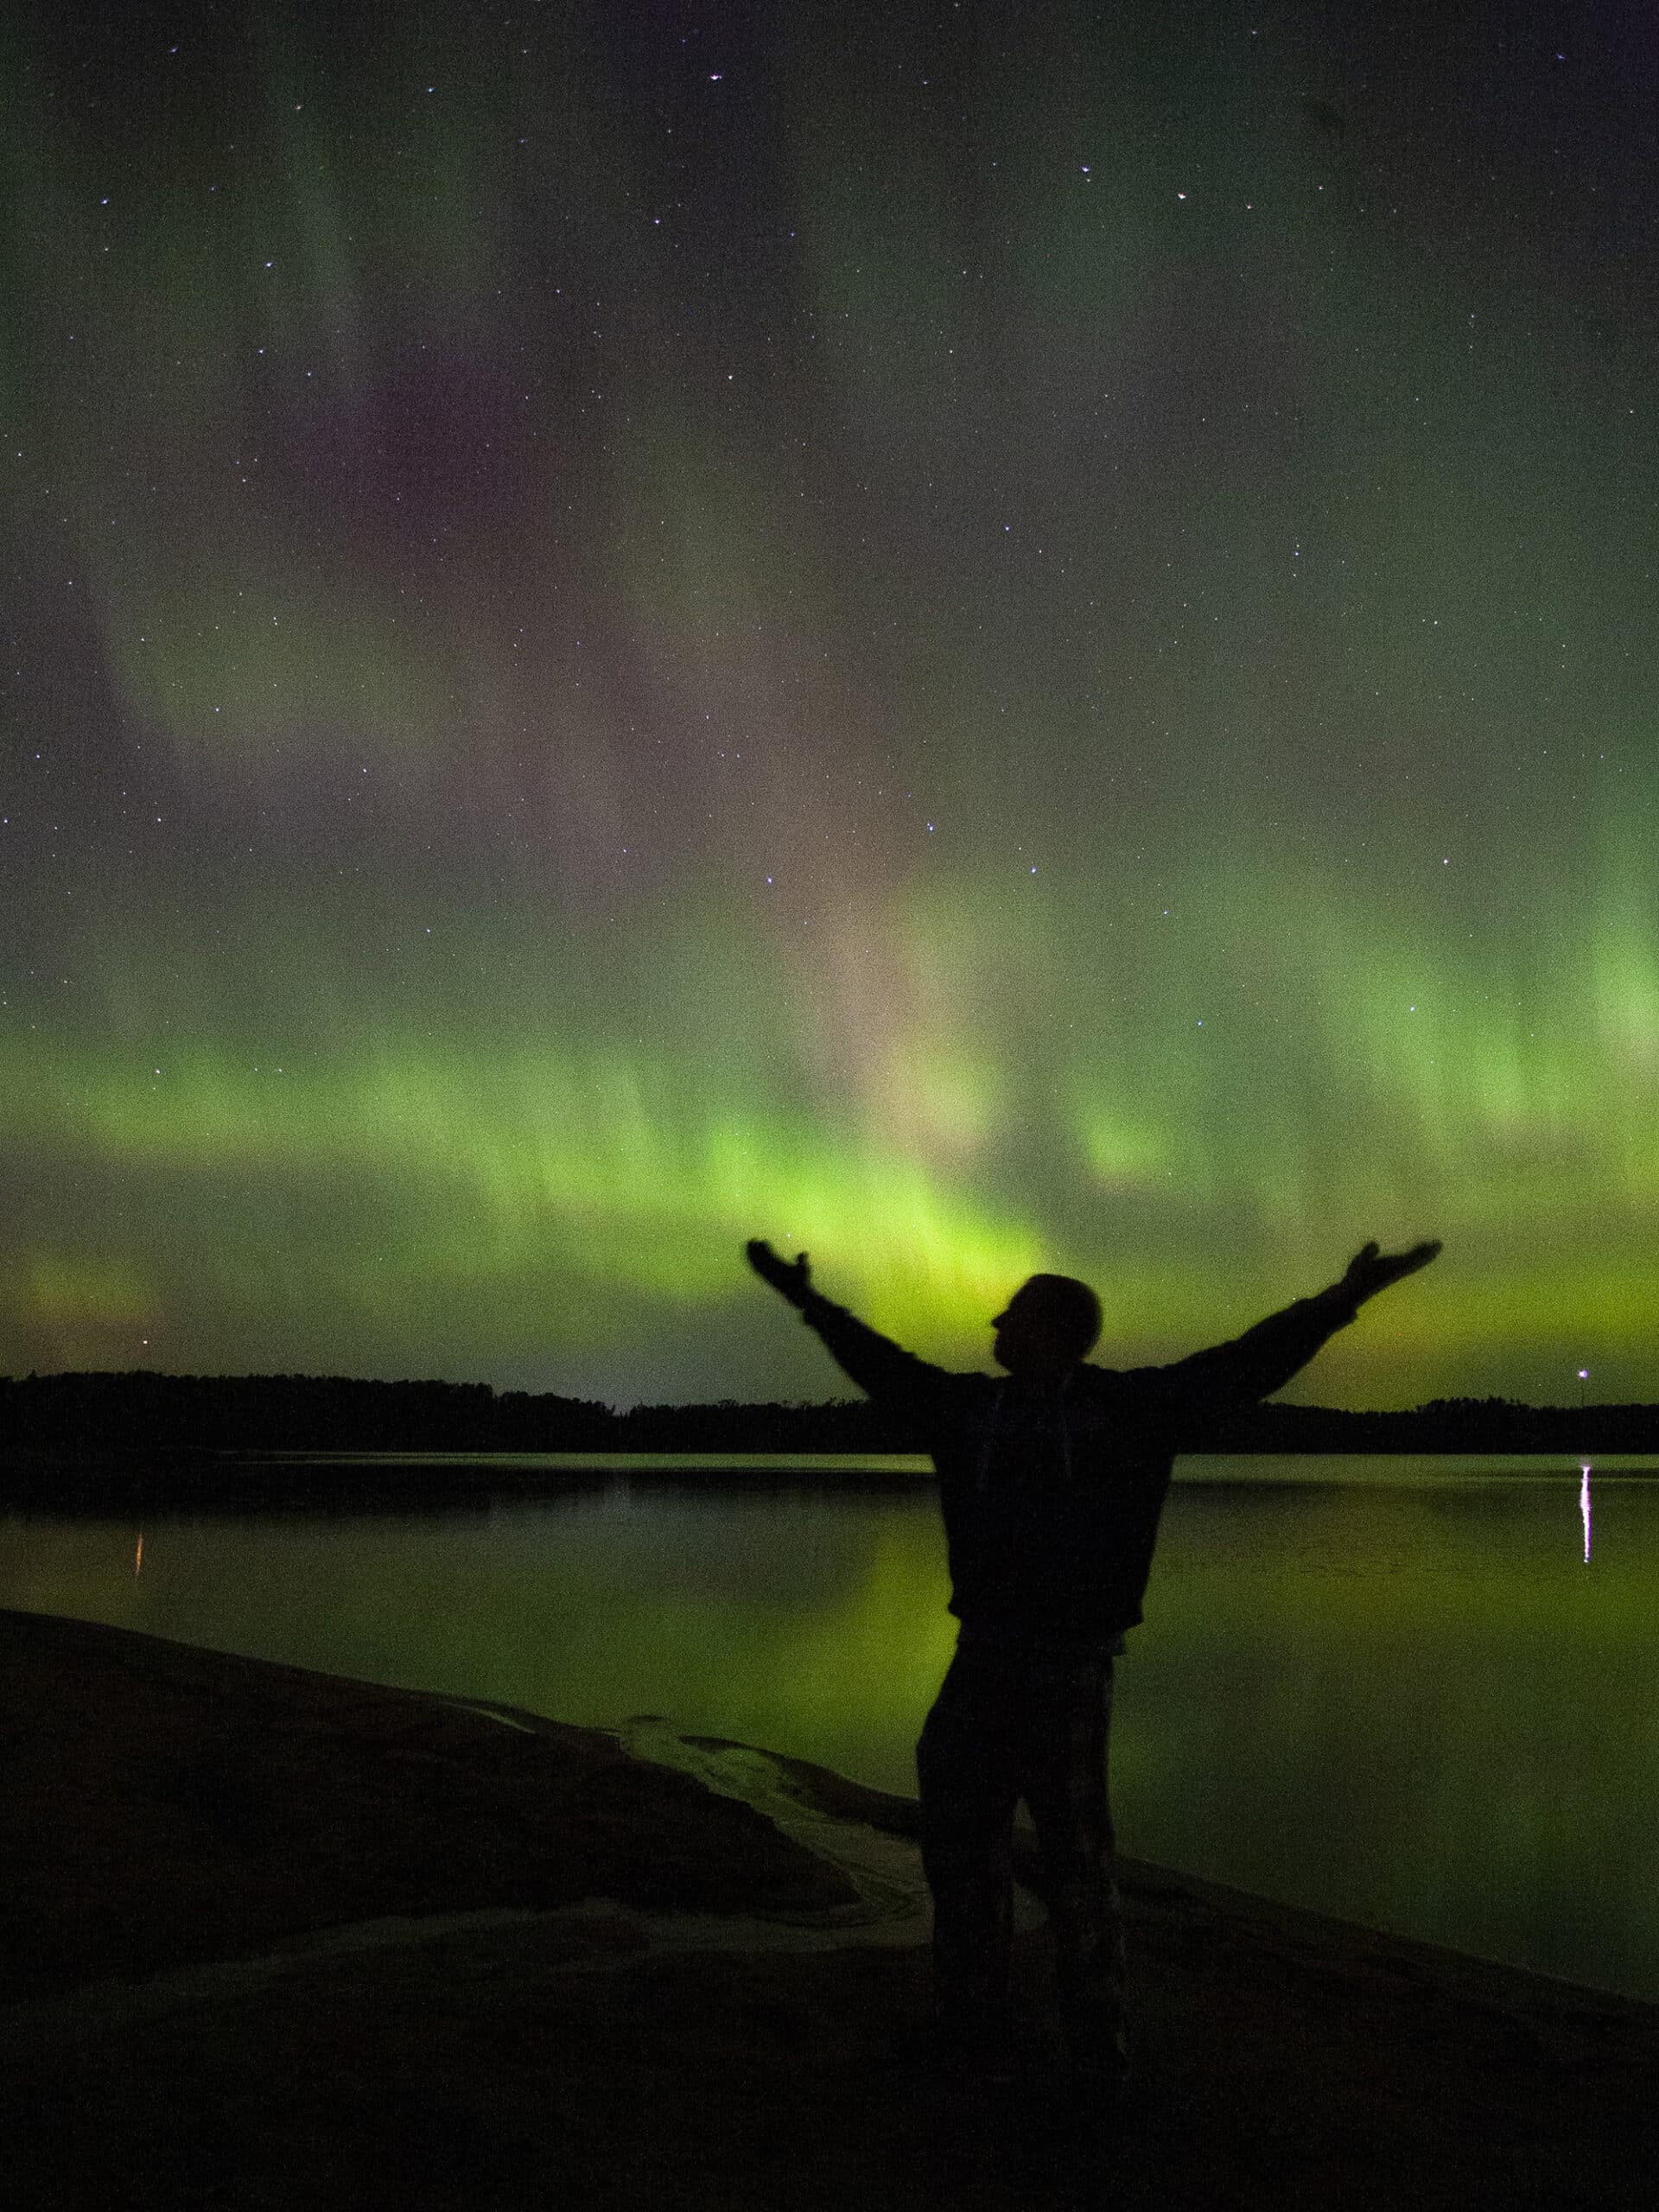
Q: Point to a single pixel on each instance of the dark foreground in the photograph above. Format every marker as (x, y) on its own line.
(272, 1939)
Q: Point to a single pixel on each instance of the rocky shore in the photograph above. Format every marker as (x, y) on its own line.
(272, 1939)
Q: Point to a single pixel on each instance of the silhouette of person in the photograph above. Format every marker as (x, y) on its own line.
(1051, 1484)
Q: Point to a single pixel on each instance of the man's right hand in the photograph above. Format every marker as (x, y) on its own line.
(791, 1279)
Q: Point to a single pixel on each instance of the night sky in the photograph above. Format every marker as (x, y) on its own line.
(974, 639)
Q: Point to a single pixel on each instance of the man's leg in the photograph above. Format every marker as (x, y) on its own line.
(968, 1794)
(1066, 1790)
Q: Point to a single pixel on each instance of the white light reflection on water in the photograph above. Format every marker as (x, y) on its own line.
(1584, 1510)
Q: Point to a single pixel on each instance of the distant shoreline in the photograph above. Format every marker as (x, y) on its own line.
(94, 1439)
(144, 1420)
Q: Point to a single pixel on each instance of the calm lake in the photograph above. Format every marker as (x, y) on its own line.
(1415, 1693)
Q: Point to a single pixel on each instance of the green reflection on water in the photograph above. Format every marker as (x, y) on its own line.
(813, 1623)
(1417, 1707)
(1405, 1701)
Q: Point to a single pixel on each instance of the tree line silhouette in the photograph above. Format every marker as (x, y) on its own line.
(146, 1414)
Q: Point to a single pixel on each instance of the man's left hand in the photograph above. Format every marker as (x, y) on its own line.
(1374, 1269)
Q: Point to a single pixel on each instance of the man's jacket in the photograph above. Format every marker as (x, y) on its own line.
(1052, 1487)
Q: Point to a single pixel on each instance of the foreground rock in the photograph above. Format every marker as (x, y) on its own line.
(273, 1939)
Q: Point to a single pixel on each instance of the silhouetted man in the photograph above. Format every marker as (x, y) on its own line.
(1052, 1483)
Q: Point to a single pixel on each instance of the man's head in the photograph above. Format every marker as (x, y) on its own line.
(1046, 1326)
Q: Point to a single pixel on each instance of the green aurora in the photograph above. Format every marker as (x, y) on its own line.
(969, 652)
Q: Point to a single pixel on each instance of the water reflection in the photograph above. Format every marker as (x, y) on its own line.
(1398, 1700)
(1584, 1510)
(1413, 1708)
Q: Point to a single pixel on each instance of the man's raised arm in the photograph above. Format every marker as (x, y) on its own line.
(881, 1369)
(1264, 1359)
